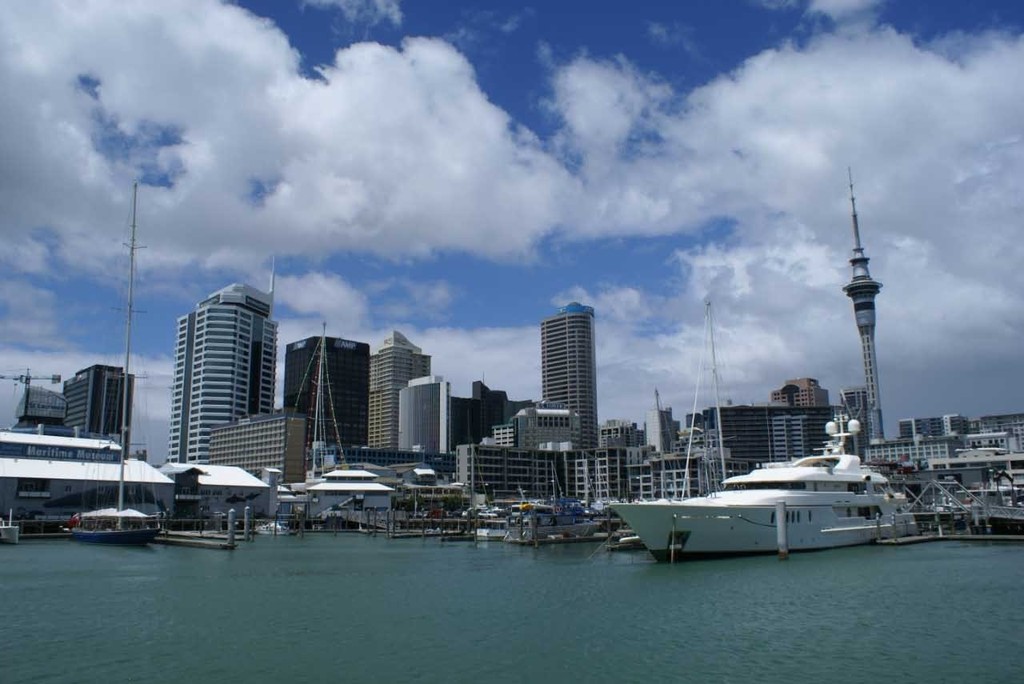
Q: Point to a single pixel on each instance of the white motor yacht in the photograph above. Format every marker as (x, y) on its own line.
(817, 502)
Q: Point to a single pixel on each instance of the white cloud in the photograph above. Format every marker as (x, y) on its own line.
(364, 11)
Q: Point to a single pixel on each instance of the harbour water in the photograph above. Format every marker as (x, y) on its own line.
(353, 608)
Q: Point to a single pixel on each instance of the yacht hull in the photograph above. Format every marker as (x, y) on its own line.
(136, 537)
(680, 530)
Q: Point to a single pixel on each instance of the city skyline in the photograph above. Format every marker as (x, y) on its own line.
(458, 172)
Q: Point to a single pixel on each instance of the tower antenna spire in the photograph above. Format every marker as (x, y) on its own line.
(856, 226)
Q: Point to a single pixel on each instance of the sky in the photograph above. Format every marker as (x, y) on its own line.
(457, 171)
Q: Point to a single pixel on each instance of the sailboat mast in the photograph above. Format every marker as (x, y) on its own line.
(126, 401)
(319, 429)
(714, 377)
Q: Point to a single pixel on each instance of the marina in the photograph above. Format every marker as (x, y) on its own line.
(398, 611)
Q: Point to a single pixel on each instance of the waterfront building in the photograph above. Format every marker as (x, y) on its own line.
(981, 464)
(51, 477)
(423, 415)
(547, 422)
(672, 475)
(392, 366)
(661, 429)
(916, 451)
(474, 418)
(224, 367)
(569, 366)
(1008, 422)
(95, 400)
(862, 290)
(767, 432)
(254, 443)
(346, 491)
(934, 427)
(442, 464)
(620, 433)
(346, 373)
(801, 392)
(205, 490)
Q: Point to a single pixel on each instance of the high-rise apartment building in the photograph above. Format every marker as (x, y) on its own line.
(801, 392)
(224, 367)
(253, 443)
(391, 368)
(423, 419)
(346, 386)
(662, 429)
(569, 366)
(95, 400)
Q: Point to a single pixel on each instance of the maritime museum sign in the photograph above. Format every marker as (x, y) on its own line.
(53, 452)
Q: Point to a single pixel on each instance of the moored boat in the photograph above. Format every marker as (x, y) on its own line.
(9, 532)
(126, 527)
(817, 502)
(563, 519)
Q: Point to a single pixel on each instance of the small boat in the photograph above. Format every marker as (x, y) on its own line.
(274, 527)
(491, 528)
(535, 521)
(9, 532)
(126, 527)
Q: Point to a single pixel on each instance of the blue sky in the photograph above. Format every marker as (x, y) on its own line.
(458, 170)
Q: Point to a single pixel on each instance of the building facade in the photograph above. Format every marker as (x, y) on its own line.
(801, 392)
(620, 433)
(253, 443)
(392, 366)
(224, 368)
(423, 422)
(768, 432)
(346, 373)
(661, 429)
(474, 418)
(546, 423)
(569, 366)
(938, 426)
(95, 400)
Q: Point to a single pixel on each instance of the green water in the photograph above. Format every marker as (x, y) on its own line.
(352, 608)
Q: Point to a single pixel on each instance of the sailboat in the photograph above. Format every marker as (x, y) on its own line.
(123, 526)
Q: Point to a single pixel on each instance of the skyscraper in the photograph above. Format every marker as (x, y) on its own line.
(423, 418)
(391, 368)
(569, 367)
(224, 367)
(95, 400)
(862, 290)
(346, 386)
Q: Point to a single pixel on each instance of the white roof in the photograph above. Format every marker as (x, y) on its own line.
(134, 471)
(343, 474)
(424, 471)
(217, 475)
(349, 487)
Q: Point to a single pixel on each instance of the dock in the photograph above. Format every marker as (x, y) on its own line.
(195, 540)
(921, 539)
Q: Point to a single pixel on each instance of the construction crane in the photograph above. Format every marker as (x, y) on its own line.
(27, 378)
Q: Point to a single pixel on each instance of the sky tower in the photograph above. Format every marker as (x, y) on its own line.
(862, 290)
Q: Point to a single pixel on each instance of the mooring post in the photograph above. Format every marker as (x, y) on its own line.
(247, 533)
(781, 530)
(231, 527)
